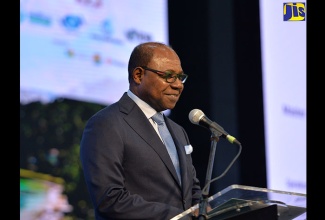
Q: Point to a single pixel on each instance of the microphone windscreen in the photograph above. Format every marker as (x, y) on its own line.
(195, 116)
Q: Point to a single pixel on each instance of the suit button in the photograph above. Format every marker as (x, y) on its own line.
(184, 201)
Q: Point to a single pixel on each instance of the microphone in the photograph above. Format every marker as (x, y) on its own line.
(196, 116)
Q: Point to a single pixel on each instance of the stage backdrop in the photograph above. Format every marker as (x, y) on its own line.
(283, 46)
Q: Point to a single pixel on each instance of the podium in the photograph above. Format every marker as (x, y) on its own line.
(239, 202)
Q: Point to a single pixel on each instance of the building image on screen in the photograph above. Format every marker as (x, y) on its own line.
(74, 57)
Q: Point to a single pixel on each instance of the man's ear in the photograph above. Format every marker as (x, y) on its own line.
(137, 74)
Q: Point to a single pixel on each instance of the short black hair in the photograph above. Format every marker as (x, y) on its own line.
(142, 55)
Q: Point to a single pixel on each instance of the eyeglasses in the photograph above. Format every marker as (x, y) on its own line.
(169, 76)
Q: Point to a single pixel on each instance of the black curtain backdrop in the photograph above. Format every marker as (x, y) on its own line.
(219, 46)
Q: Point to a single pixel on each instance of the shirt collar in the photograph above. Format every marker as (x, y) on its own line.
(147, 109)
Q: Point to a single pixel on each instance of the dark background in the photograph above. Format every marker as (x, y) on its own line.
(219, 45)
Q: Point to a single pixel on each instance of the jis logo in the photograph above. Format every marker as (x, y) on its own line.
(294, 11)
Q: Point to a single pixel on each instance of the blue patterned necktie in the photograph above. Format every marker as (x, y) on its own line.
(168, 141)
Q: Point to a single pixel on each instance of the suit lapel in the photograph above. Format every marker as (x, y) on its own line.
(137, 120)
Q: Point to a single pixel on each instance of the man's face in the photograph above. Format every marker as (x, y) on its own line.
(154, 89)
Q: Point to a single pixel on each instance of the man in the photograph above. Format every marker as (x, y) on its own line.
(127, 168)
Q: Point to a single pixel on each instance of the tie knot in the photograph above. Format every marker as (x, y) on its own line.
(158, 118)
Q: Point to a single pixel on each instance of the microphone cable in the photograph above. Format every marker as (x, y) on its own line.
(224, 172)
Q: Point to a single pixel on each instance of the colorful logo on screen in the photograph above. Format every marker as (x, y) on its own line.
(72, 22)
(294, 11)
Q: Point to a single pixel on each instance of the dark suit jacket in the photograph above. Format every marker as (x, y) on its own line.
(128, 171)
